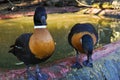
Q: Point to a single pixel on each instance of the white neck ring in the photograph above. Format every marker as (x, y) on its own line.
(43, 26)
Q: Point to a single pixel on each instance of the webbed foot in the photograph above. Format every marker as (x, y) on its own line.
(77, 65)
(30, 75)
(40, 75)
(88, 63)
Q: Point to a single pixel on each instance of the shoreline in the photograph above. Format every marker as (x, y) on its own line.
(107, 13)
(50, 10)
(63, 65)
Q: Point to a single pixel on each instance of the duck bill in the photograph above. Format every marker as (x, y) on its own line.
(43, 20)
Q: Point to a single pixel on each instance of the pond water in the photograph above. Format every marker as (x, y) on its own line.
(59, 25)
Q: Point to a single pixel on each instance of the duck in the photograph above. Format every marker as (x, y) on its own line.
(37, 47)
(83, 37)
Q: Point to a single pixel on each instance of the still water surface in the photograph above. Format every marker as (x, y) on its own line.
(59, 25)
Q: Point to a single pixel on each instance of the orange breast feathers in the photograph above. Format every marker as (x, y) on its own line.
(77, 42)
(41, 43)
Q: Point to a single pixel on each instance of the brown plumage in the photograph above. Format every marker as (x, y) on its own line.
(41, 43)
(82, 38)
(78, 44)
(36, 47)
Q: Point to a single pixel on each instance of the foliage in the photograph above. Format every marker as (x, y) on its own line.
(104, 5)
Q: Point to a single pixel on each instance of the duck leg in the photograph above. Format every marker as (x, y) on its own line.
(30, 75)
(40, 75)
(88, 62)
(77, 64)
